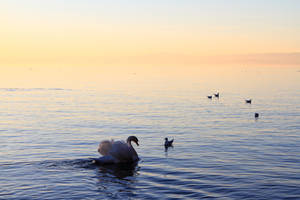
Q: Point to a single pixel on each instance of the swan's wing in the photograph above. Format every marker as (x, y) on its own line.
(121, 152)
(104, 147)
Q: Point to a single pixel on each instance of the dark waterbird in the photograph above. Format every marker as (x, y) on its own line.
(248, 101)
(256, 115)
(217, 95)
(210, 97)
(168, 143)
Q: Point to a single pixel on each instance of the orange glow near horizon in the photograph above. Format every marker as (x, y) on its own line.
(47, 42)
(53, 33)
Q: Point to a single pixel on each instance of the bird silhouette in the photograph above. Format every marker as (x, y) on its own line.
(248, 101)
(168, 143)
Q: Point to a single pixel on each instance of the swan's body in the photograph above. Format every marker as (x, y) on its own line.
(217, 95)
(248, 101)
(168, 143)
(118, 151)
(209, 97)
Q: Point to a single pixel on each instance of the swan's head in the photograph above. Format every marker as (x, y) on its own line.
(166, 139)
(134, 139)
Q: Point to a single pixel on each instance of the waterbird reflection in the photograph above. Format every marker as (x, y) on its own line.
(116, 180)
(121, 170)
(166, 150)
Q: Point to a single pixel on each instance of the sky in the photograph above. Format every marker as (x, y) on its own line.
(157, 32)
(40, 38)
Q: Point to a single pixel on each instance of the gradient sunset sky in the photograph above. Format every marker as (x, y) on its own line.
(158, 32)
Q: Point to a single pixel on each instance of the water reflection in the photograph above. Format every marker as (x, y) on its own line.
(220, 150)
(109, 181)
(167, 149)
(120, 171)
(117, 181)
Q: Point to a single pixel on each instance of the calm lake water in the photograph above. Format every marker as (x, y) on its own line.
(49, 136)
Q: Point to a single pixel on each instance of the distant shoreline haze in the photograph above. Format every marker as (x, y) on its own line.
(163, 60)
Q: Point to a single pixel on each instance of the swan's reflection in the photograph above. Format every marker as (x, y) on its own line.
(116, 181)
(121, 170)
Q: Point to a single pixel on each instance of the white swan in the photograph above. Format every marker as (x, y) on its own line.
(115, 152)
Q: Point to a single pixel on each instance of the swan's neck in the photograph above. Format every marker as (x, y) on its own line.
(129, 143)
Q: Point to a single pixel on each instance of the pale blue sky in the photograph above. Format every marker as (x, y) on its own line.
(172, 11)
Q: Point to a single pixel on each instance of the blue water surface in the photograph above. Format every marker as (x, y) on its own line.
(49, 137)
